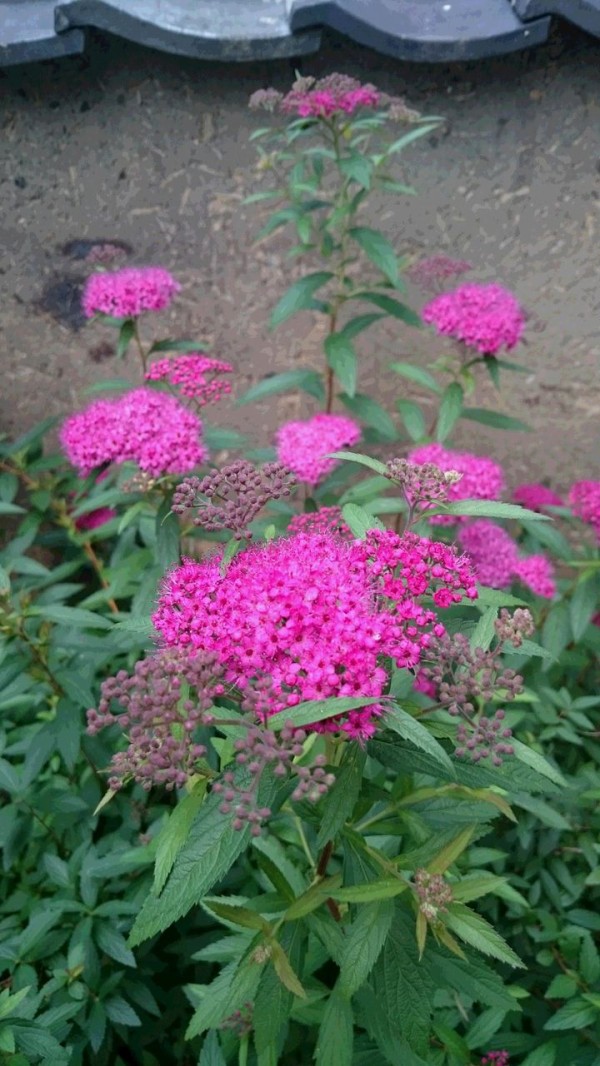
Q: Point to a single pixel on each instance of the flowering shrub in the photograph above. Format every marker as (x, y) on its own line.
(297, 766)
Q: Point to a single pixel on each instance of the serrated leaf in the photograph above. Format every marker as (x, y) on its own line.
(313, 898)
(416, 374)
(362, 944)
(575, 1014)
(359, 520)
(313, 711)
(409, 728)
(341, 357)
(358, 323)
(449, 411)
(476, 885)
(339, 802)
(492, 509)
(77, 617)
(538, 763)
(372, 414)
(113, 944)
(485, 630)
(167, 537)
(335, 1040)
(451, 851)
(545, 1055)
(358, 168)
(211, 1054)
(121, 1012)
(378, 250)
(234, 986)
(370, 892)
(285, 971)
(391, 307)
(238, 915)
(307, 380)
(474, 930)
(299, 297)
(362, 460)
(174, 833)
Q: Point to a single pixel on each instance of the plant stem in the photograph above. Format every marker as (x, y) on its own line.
(304, 842)
(243, 1052)
(98, 567)
(140, 347)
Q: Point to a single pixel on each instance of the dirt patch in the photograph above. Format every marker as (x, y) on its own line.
(154, 148)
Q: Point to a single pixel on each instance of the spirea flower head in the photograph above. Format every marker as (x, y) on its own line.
(421, 483)
(303, 447)
(584, 499)
(149, 428)
(482, 478)
(314, 613)
(430, 274)
(485, 317)
(337, 93)
(497, 562)
(195, 375)
(128, 292)
(495, 1058)
(536, 497)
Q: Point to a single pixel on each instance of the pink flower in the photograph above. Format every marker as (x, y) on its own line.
(313, 614)
(496, 1058)
(536, 497)
(329, 96)
(485, 317)
(431, 273)
(303, 446)
(149, 428)
(492, 551)
(584, 499)
(195, 375)
(482, 478)
(497, 563)
(537, 572)
(95, 519)
(128, 292)
(325, 520)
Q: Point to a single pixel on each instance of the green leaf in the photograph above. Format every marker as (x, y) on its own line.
(362, 460)
(307, 380)
(583, 605)
(217, 438)
(491, 509)
(167, 537)
(358, 168)
(474, 930)
(497, 598)
(299, 297)
(170, 345)
(365, 491)
(403, 984)
(391, 307)
(372, 413)
(363, 943)
(336, 1033)
(476, 885)
(408, 138)
(232, 548)
(211, 1054)
(174, 833)
(341, 357)
(378, 250)
(538, 763)
(451, 851)
(120, 1012)
(274, 1001)
(230, 991)
(545, 1055)
(450, 410)
(370, 892)
(239, 915)
(285, 971)
(339, 803)
(413, 419)
(77, 617)
(495, 419)
(485, 630)
(485, 1027)
(360, 520)
(126, 334)
(403, 723)
(575, 1014)
(313, 898)
(312, 711)
(10, 508)
(4, 581)
(113, 944)
(547, 814)
(416, 374)
(211, 848)
(359, 323)
(561, 987)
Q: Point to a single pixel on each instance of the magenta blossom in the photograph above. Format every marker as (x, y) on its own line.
(325, 520)
(95, 519)
(496, 1058)
(584, 499)
(536, 497)
(482, 478)
(149, 428)
(128, 292)
(195, 375)
(485, 317)
(313, 614)
(303, 447)
(497, 562)
(335, 94)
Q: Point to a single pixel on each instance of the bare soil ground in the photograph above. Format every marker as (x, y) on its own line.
(152, 149)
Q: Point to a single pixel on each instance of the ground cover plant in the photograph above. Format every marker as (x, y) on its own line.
(300, 749)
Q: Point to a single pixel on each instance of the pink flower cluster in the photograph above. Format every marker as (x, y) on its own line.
(196, 376)
(325, 520)
(128, 292)
(95, 519)
(584, 499)
(482, 478)
(536, 497)
(303, 446)
(313, 613)
(329, 96)
(496, 1058)
(485, 317)
(496, 559)
(149, 428)
(431, 273)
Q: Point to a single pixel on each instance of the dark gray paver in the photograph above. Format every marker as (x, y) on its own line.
(425, 30)
(28, 34)
(584, 13)
(204, 29)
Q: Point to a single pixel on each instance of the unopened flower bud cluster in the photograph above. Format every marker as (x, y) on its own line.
(433, 892)
(233, 496)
